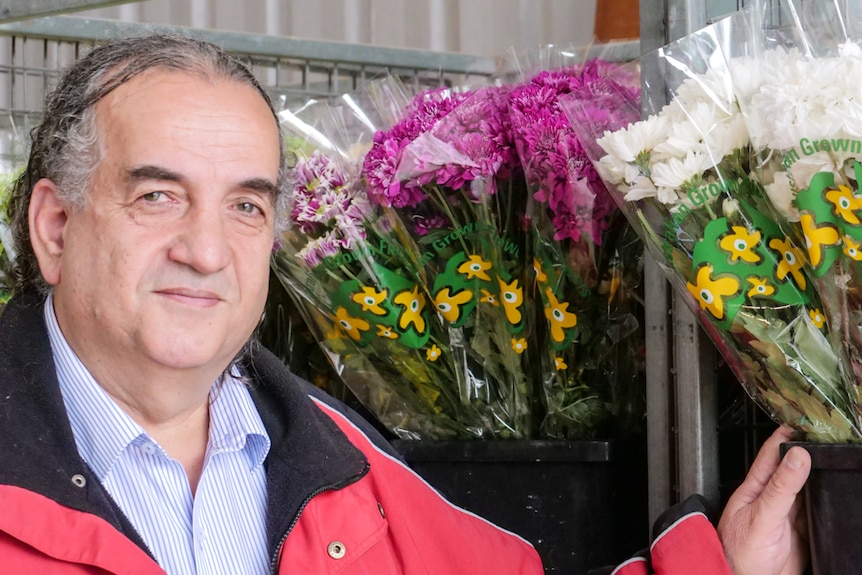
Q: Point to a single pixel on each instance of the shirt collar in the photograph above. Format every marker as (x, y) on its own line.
(102, 430)
(235, 423)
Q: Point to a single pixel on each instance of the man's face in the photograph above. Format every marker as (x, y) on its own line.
(167, 265)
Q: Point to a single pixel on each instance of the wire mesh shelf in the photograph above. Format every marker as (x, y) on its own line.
(33, 55)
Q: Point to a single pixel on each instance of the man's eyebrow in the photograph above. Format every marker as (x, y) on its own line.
(152, 173)
(260, 185)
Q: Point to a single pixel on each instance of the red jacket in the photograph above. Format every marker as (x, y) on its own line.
(339, 500)
(684, 542)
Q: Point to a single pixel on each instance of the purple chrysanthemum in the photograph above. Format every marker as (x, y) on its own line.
(447, 138)
(555, 163)
(380, 166)
(326, 207)
(422, 224)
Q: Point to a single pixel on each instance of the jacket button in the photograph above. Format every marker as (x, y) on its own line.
(79, 480)
(336, 549)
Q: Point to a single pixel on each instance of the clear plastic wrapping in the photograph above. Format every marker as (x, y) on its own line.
(699, 186)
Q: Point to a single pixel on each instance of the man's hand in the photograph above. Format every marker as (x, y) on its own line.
(763, 527)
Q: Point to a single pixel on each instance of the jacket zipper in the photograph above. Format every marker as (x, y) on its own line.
(273, 565)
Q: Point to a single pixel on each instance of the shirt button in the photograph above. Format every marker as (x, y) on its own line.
(336, 550)
(148, 448)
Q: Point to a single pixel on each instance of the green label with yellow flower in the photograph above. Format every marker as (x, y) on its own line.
(468, 280)
(830, 221)
(561, 321)
(395, 308)
(398, 309)
(751, 264)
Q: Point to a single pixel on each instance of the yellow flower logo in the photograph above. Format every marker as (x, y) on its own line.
(791, 262)
(386, 332)
(559, 318)
(449, 306)
(475, 267)
(614, 285)
(817, 318)
(559, 364)
(351, 326)
(334, 333)
(760, 287)
(413, 303)
(488, 297)
(816, 238)
(710, 293)
(433, 353)
(740, 244)
(541, 277)
(851, 249)
(512, 297)
(519, 345)
(370, 300)
(845, 203)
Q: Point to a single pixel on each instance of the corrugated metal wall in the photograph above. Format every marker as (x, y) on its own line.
(480, 27)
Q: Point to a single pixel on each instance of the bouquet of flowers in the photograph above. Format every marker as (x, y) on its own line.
(796, 88)
(687, 178)
(398, 261)
(586, 257)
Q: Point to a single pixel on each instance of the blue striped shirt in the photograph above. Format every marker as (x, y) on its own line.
(222, 529)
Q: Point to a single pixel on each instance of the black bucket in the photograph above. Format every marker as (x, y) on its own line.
(833, 498)
(582, 504)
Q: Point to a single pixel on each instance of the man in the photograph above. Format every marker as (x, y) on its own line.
(143, 430)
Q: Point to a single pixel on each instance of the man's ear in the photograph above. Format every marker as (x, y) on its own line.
(47, 216)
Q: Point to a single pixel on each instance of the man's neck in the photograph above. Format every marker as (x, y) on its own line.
(176, 419)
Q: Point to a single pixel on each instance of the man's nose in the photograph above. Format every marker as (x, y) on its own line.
(202, 243)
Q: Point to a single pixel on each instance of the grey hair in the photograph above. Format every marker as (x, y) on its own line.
(65, 146)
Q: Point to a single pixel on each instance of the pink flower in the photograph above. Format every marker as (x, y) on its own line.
(326, 207)
(448, 139)
(422, 224)
(555, 163)
(380, 166)
(316, 250)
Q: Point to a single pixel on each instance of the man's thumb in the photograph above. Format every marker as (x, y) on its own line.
(783, 487)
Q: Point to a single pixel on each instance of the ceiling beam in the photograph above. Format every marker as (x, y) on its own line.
(11, 10)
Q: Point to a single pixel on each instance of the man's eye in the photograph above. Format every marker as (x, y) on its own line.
(153, 196)
(249, 208)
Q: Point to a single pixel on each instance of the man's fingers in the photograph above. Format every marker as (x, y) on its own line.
(777, 499)
(763, 468)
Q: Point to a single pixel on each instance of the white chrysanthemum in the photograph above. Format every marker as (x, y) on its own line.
(676, 172)
(804, 97)
(669, 196)
(673, 112)
(730, 207)
(713, 87)
(781, 195)
(747, 76)
(806, 167)
(684, 136)
(641, 188)
(850, 50)
(612, 169)
(616, 171)
(628, 143)
(727, 136)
